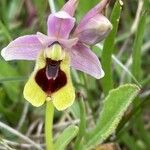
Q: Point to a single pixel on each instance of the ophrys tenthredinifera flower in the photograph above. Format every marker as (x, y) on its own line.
(65, 45)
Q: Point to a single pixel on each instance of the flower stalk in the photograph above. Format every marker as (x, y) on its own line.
(49, 114)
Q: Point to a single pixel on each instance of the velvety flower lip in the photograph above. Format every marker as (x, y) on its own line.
(51, 79)
(63, 47)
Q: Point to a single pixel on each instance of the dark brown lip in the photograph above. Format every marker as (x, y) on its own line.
(52, 68)
(51, 78)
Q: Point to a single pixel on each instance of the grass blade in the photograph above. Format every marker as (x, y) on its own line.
(107, 82)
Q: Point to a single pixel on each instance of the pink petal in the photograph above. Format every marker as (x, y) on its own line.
(94, 31)
(26, 48)
(45, 40)
(70, 7)
(68, 44)
(60, 24)
(83, 59)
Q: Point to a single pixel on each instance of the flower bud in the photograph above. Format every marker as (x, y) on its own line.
(94, 30)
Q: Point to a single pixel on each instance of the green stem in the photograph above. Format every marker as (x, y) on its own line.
(48, 125)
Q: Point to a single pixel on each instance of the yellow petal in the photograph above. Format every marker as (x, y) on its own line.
(65, 96)
(33, 93)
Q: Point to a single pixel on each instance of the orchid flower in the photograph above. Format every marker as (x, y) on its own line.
(64, 46)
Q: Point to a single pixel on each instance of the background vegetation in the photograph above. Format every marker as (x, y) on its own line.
(125, 57)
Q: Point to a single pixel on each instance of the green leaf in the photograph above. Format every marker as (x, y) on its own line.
(115, 104)
(107, 82)
(65, 138)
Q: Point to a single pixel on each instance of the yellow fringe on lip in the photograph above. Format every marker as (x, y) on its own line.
(33, 93)
(62, 98)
